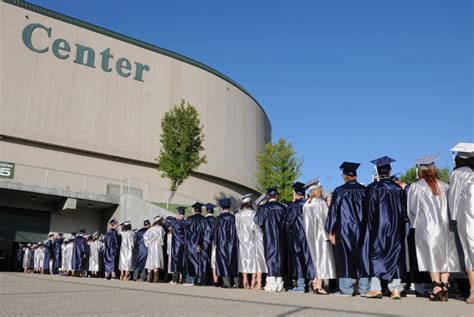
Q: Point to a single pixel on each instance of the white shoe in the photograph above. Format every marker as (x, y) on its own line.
(188, 284)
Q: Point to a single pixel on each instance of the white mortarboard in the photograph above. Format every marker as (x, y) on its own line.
(312, 184)
(156, 218)
(464, 150)
(126, 223)
(246, 198)
(261, 200)
(426, 162)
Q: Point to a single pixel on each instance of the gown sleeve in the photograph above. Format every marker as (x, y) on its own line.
(331, 221)
(414, 204)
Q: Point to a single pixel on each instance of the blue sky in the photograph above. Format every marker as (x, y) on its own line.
(340, 79)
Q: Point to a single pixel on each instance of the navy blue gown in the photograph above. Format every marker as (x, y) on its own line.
(48, 254)
(226, 240)
(386, 205)
(178, 244)
(57, 255)
(20, 253)
(346, 220)
(142, 249)
(79, 253)
(198, 232)
(271, 217)
(111, 250)
(300, 263)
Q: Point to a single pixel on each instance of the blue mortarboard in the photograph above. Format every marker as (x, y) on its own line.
(426, 162)
(146, 222)
(197, 206)
(349, 168)
(298, 187)
(73, 234)
(210, 207)
(395, 177)
(272, 191)
(181, 210)
(113, 221)
(225, 203)
(383, 161)
(60, 234)
(82, 231)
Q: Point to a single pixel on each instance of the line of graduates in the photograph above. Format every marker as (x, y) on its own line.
(373, 234)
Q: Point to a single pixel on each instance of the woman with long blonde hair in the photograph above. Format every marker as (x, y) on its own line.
(435, 243)
(315, 212)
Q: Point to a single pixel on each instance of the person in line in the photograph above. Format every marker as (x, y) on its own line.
(225, 237)
(142, 252)
(251, 254)
(346, 231)
(271, 217)
(198, 233)
(461, 205)
(176, 228)
(315, 212)
(27, 259)
(153, 239)
(69, 255)
(95, 246)
(385, 204)
(435, 242)
(19, 257)
(38, 257)
(58, 242)
(300, 261)
(126, 251)
(211, 250)
(48, 255)
(111, 250)
(79, 254)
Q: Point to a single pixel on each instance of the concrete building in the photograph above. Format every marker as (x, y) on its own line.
(80, 111)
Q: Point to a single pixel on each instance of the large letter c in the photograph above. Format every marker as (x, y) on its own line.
(28, 31)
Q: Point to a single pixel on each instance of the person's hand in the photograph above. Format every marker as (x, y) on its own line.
(199, 248)
(332, 238)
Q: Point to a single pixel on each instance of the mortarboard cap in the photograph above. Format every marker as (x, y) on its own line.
(156, 218)
(225, 203)
(383, 161)
(210, 207)
(298, 187)
(60, 234)
(261, 200)
(146, 222)
(349, 168)
(50, 235)
(95, 234)
(82, 231)
(73, 234)
(395, 177)
(315, 182)
(197, 206)
(181, 210)
(426, 162)
(127, 223)
(246, 198)
(272, 191)
(464, 150)
(113, 222)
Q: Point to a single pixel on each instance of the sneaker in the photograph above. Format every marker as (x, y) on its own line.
(188, 284)
(374, 294)
(172, 282)
(297, 290)
(396, 294)
(343, 294)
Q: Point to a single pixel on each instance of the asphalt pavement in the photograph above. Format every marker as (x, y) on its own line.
(43, 295)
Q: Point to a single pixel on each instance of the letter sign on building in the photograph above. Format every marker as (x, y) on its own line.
(7, 170)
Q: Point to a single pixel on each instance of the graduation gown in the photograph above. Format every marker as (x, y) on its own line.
(225, 237)
(320, 248)
(69, 255)
(26, 259)
(271, 217)
(79, 253)
(48, 254)
(141, 248)
(154, 241)
(251, 253)
(38, 258)
(435, 242)
(300, 263)
(19, 258)
(198, 234)
(211, 250)
(178, 244)
(384, 245)
(345, 219)
(111, 250)
(57, 254)
(461, 206)
(126, 250)
(94, 260)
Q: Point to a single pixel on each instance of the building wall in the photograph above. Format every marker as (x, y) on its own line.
(65, 104)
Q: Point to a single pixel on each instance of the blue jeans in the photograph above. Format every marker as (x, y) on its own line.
(300, 284)
(394, 284)
(346, 287)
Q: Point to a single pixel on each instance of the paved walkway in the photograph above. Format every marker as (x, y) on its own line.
(41, 295)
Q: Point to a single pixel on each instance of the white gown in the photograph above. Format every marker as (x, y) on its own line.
(39, 256)
(126, 251)
(322, 254)
(68, 256)
(95, 247)
(26, 258)
(251, 253)
(169, 246)
(435, 243)
(154, 241)
(461, 206)
(63, 256)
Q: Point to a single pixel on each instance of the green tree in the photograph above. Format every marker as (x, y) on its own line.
(410, 175)
(278, 166)
(181, 144)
